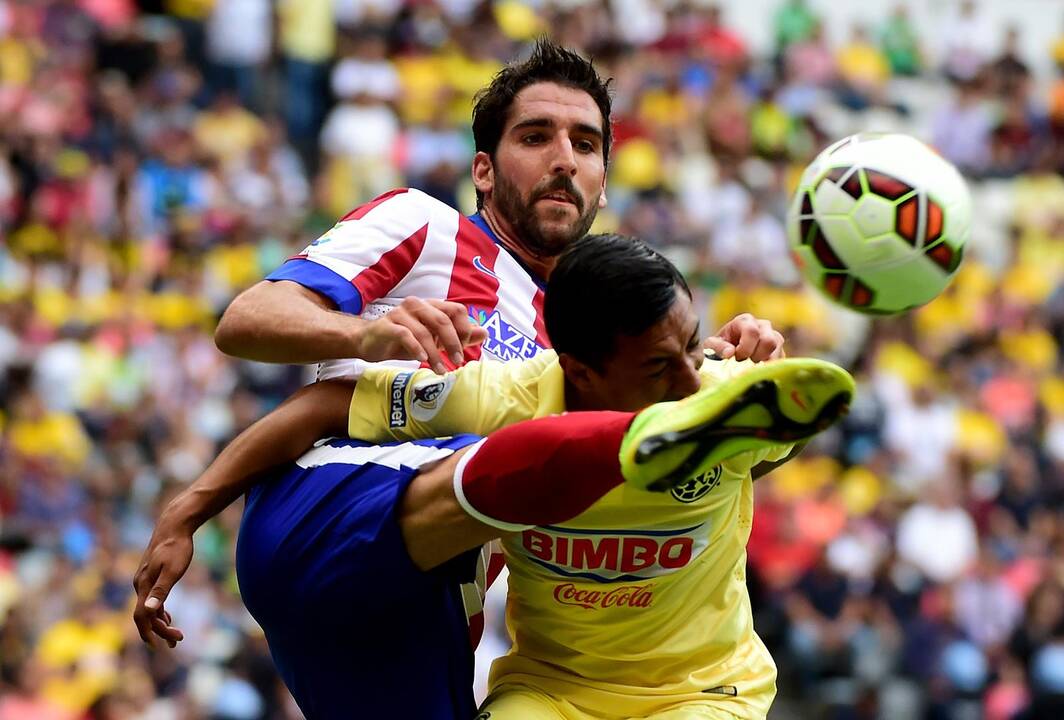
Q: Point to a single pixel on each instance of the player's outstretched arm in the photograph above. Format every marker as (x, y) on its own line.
(549, 470)
(316, 411)
(478, 398)
(285, 322)
(538, 472)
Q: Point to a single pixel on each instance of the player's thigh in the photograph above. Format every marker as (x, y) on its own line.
(319, 536)
(325, 534)
(513, 702)
(692, 711)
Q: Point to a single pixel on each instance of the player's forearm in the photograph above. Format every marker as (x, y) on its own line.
(316, 411)
(540, 472)
(281, 322)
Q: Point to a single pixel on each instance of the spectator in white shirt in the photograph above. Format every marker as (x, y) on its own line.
(920, 430)
(968, 38)
(984, 605)
(239, 35)
(366, 70)
(937, 535)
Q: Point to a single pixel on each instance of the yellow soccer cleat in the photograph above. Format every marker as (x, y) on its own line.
(776, 403)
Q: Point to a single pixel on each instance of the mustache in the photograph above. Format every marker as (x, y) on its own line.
(562, 183)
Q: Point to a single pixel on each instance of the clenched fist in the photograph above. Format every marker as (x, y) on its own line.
(422, 330)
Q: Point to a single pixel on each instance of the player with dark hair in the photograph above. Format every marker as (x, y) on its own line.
(351, 558)
(634, 605)
(407, 278)
(554, 65)
(542, 135)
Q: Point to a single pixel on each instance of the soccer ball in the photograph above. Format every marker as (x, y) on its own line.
(879, 222)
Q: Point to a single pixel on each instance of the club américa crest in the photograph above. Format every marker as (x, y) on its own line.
(697, 487)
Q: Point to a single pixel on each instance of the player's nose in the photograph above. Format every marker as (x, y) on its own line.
(564, 159)
(687, 381)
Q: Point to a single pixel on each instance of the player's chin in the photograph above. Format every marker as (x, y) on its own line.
(562, 227)
(557, 236)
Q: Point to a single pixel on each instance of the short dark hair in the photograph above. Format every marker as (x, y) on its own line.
(547, 63)
(605, 286)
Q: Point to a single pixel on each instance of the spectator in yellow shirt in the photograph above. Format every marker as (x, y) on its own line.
(863, 70)
(227, 131)
(307, 33)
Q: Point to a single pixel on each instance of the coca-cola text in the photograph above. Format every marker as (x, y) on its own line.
(632, 596)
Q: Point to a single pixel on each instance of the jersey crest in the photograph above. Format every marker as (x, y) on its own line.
(697, 488)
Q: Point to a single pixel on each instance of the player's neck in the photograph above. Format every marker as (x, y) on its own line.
(541, 266)
(575, 401)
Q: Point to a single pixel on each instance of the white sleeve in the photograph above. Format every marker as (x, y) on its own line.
(367, 253)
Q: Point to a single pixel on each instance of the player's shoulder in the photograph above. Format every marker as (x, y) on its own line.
(545, 360)
(520, 381)
(401, 203)
(542, 362)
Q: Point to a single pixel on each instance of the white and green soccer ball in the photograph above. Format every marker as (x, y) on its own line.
(879, 222)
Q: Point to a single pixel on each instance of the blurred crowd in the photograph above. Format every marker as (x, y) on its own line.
(156, 157)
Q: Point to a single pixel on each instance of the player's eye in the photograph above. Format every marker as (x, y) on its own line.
(532, 139)
(585, 146)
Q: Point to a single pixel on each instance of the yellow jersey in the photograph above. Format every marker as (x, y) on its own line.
(635, 605)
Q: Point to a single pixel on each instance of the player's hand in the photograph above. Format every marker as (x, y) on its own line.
(164, 562)
(745, 337)
(422, 330)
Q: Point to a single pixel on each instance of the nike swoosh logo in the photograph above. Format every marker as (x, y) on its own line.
(483, 268)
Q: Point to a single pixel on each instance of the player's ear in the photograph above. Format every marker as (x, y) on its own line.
(602, 197)
(579, 375)
(483, 173)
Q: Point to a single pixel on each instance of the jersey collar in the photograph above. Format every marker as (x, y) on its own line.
(478, 220)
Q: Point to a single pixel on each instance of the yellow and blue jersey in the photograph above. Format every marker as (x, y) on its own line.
(636, 604)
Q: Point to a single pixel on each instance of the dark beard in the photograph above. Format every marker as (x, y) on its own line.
(522, 218)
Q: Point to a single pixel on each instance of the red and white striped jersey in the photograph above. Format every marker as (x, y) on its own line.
(408, 244)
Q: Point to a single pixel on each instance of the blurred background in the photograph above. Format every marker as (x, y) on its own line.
(158, 157)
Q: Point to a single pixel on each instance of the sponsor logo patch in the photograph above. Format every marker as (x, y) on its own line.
(505, 341)
(397, 411)
(326, 237)
(614, 555)
(429, 395)
(631, 596)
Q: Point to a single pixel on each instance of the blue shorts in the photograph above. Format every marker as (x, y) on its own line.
(354, 628)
